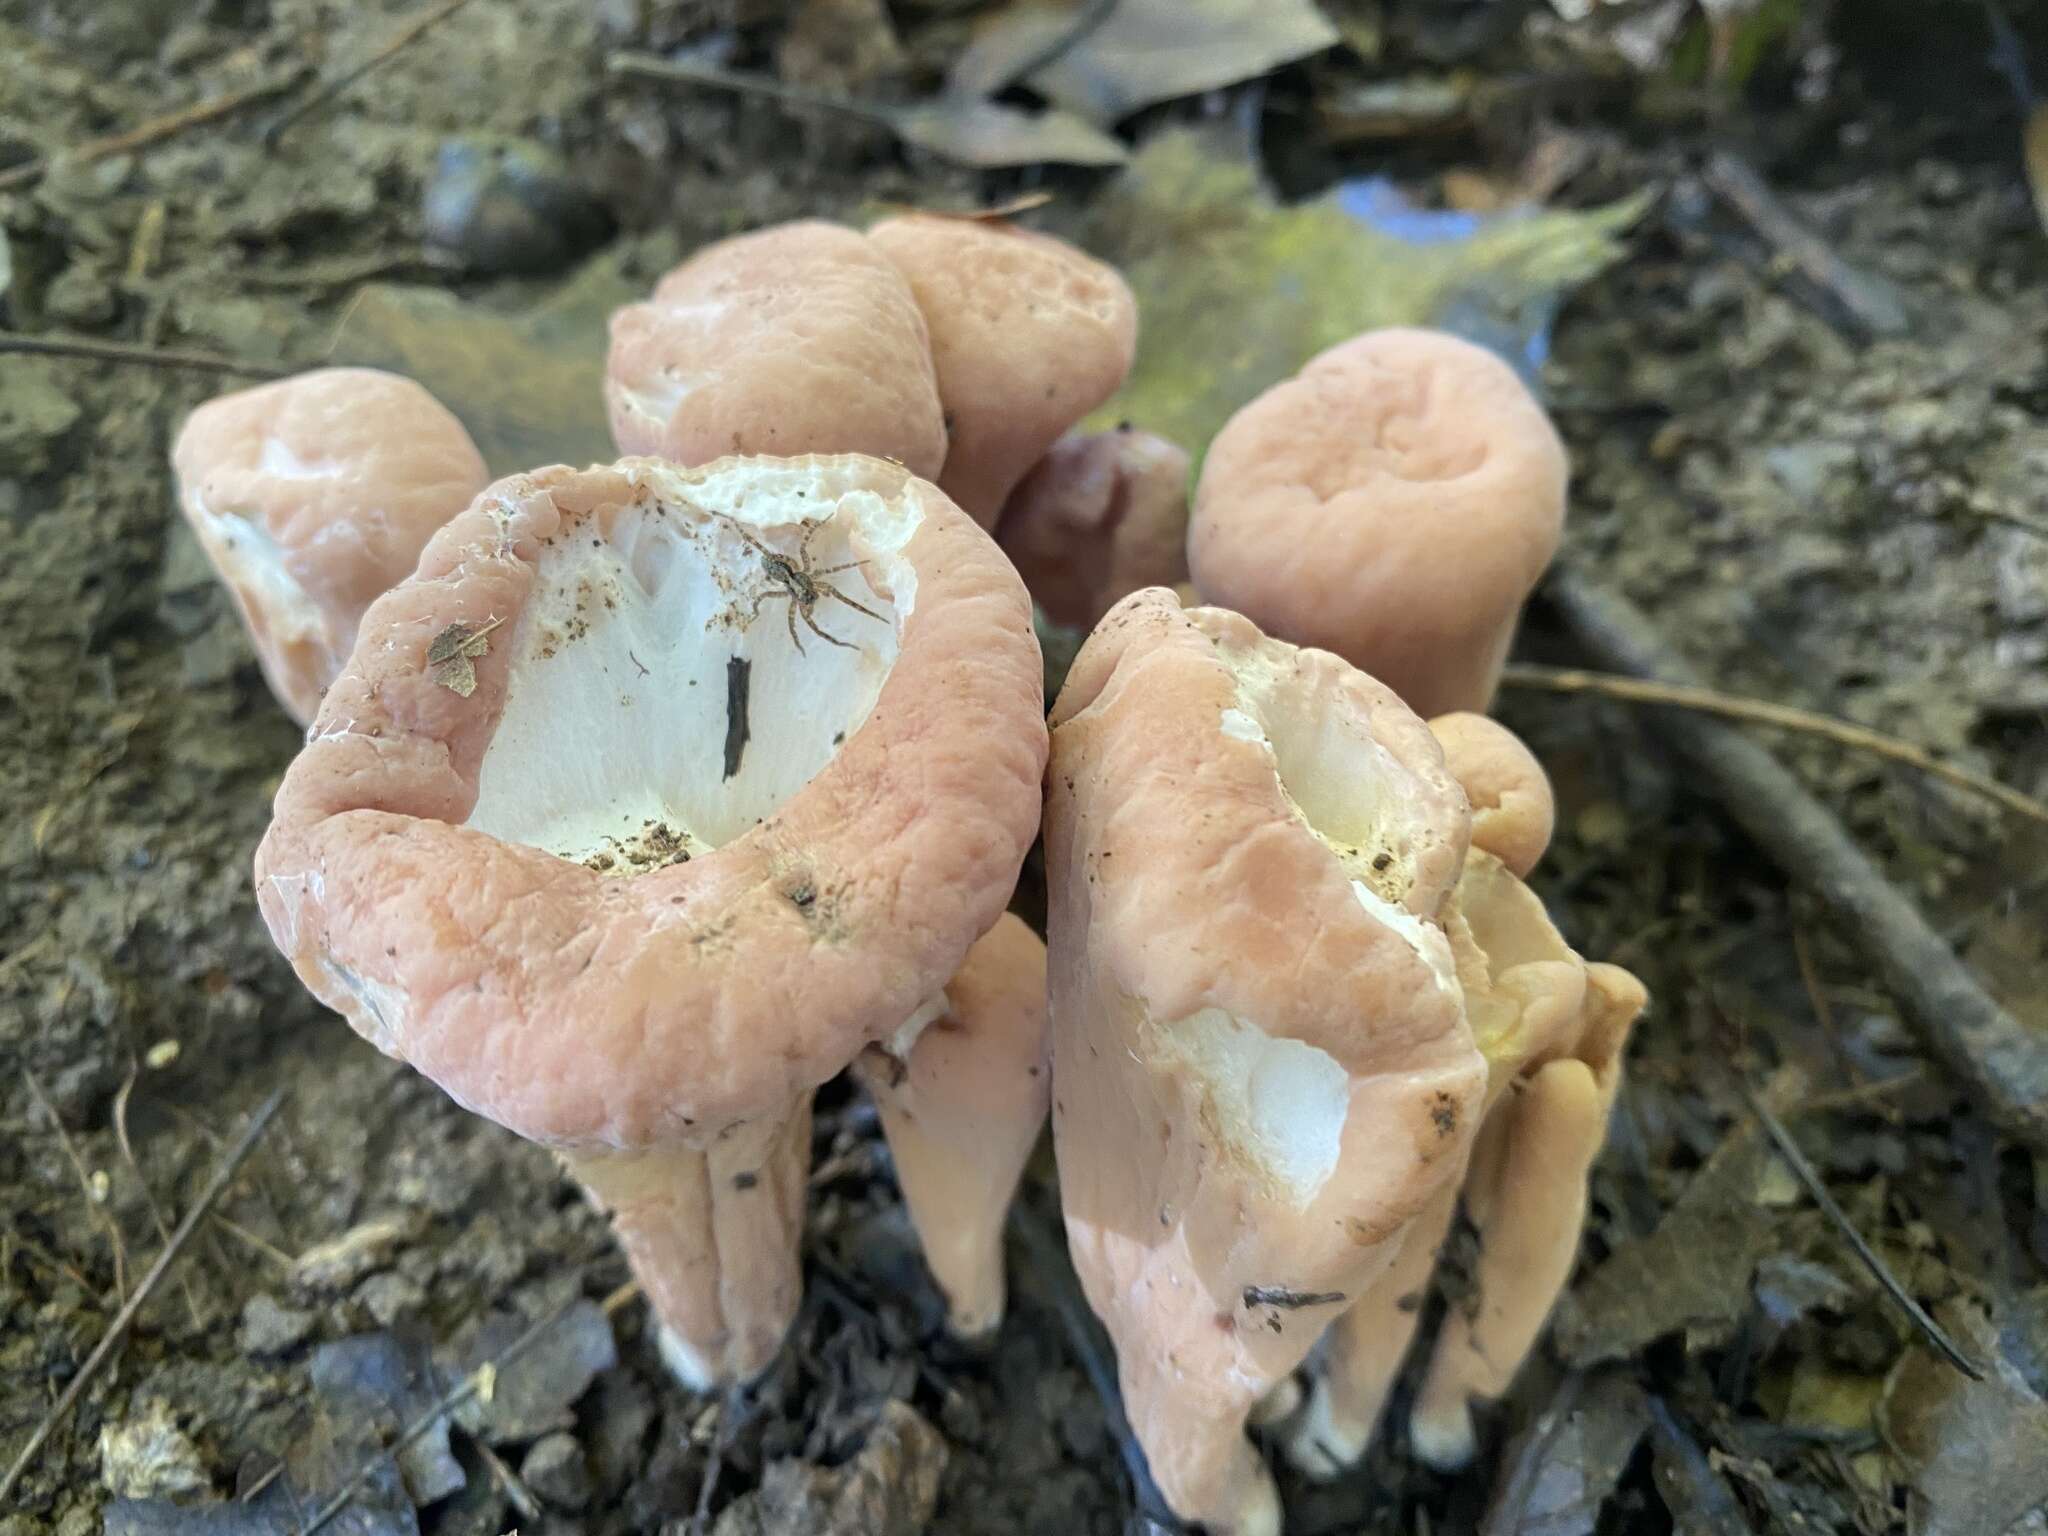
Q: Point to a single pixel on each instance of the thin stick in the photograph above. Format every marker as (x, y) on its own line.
(269, 1250)
(1804, 1172)
(322, 94)
(117, 1330)
(156, 1212)
(1762, 712)
(129, 352)
(1091, 17)
(731, 1406)
(156, 129)
(646, 66)
(2003, 1065)
(449, 1401)
(516, 1491)
(92, 1202)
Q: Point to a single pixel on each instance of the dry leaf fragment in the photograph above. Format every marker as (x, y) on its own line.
(452, 656)
(1143, 52)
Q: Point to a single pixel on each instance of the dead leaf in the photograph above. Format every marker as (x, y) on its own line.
(1976, 1452)
(1559, 1473)
(2035, 145)
(1238, 292)
(1142, 52)
(528, 385)
(452, 656)
(1691, 1276)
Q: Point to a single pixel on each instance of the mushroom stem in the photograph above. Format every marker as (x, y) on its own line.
(713, 1234)
(1364, 1349)
(962, 1092)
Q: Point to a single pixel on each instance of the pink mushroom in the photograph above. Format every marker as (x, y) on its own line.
(1552, 1029)
(1028, 335)
(1101, 515)
(1395, 502)
(798, 339)
(962, 1090)
(1261, 1069)
(312, 497)
(645, 805)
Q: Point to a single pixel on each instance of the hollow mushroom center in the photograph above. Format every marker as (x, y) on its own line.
(687, 661)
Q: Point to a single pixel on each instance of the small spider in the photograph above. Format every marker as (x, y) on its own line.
(800, 582)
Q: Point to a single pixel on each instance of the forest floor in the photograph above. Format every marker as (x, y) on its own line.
(1823, 481)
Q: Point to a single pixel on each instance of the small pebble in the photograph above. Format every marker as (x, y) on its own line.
(270, 1328)
(509, 207)
(555, 1470)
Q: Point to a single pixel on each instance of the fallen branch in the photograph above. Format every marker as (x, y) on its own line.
(1761, 712)
(131, 352)
(118, 1329)
(2004, 1065)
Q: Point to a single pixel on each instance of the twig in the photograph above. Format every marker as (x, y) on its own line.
(1762, 712)
(156, 1212)
(156, 129)
(1092, 16)
(327, 90)
(1869, 302)
(448, 1402)
(1047, 1258)
(268, 1249)
(2000, 1062)
(92, 1201)
(117, 1330)
(128, 352)
(1804, 1172)
(646, 66)
(730, 1406)
(516, 1492)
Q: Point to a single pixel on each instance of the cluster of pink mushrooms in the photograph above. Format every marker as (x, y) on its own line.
(638, 801)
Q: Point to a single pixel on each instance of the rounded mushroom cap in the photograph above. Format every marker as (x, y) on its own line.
(798, 339)
(312, 497)
(1394, 502)
(1513, 810)
(1028, 335)
(656, 794)
(1100, 516)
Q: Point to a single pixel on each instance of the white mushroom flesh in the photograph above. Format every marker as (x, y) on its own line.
(688, 663)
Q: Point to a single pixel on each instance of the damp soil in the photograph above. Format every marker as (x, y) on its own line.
(1814, 513)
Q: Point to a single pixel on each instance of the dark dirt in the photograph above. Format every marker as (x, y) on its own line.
(1849, 523)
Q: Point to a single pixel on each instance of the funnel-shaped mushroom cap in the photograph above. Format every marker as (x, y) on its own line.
(962, 1090)
(314, 496)
(1513, 810)
(1028, 334)
(1394, 502)
(656, 794)
(1100, 516)
(798, 339)
(1261, 1068)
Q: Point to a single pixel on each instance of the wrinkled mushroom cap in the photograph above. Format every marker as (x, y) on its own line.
(798, 339)
(1100, 516)
(313, 496)
(1395, 502)
(1513, 810)
(660, 870)
(1028, 335)
(1262, 1070)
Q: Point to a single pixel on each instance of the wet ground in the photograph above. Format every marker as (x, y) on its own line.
(1826, 495)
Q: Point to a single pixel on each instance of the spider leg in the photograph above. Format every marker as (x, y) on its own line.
(834, 570)
(740, 528)
(789, 613)
(829, 590)
(830, 640)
